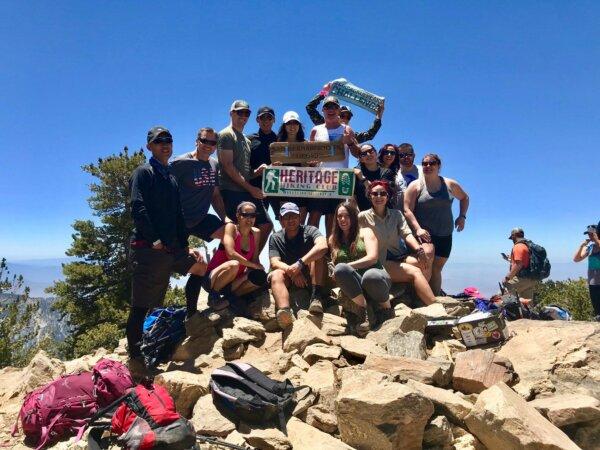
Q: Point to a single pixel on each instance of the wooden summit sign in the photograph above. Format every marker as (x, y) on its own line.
(301, 152)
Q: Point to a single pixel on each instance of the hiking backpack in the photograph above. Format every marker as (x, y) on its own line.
(164, 329)
(539, 265)
(243, 392)
(145, 418)
(111, 381)
(60, 408)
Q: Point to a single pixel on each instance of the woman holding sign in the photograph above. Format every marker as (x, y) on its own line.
(291, 130)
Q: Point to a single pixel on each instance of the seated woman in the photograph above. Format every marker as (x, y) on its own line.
(357, 270)
(234, 269)
(396, 243)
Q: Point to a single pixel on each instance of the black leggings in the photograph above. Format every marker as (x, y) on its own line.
(595, 298)
(134, 330)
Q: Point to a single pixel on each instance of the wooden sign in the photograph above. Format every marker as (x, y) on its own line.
(302, 152)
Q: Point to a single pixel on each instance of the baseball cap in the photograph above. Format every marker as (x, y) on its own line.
(289, 207)
(155, 132)
(239, 105)
(591, 228)
(346, 108)
(265, 110)
(331, 99)
(516, 230)
(291, 115)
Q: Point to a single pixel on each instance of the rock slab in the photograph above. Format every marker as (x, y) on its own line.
(477, 370)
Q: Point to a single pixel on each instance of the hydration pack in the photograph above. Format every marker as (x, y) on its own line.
(164, 329)
(539, 265)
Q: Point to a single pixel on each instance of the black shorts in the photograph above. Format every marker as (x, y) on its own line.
(233, 198)
(443, 245)
(152, 270)
(206, 227)
(323, 205)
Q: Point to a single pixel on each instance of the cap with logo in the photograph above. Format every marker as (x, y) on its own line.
(155, 132)
(516, 230)
(239, 105)
(265, 110)
(331, 99)
(346, 109)
(289, 208)
(291, 115)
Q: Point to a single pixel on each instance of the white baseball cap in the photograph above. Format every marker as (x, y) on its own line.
(291, 115)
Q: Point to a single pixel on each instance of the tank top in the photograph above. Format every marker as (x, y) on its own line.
(221, 257)
(433, 210)
(324, 134)
(344, 255)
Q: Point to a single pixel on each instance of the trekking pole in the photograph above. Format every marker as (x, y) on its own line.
(502, 289)
(215, 441)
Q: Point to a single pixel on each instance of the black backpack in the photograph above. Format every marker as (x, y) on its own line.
(164, 329)
(539, 265)
(242, 392)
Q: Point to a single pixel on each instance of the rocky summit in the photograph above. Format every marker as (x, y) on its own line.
(397, 388)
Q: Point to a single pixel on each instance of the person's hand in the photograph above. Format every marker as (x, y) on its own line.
(358, 173)
(276, 163)
(294, 270)
(159, 246)
(260, 169)
(257, 266)
(459, 223)
(299, 280)
(348, 137)
(380, 110)
(314, 163)
(256, 193)
(326, 88)
(423, 235)
(197, 255)
(506, 278)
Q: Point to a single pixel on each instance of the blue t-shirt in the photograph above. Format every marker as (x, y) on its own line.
(593, 252)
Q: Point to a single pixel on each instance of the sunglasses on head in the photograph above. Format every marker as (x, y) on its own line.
(379, 194)
(248, 215)
(388, 153)
(163, 140)
(366, 152)
(406, 155)
(207, 142)
(243, 113)
(429, 163)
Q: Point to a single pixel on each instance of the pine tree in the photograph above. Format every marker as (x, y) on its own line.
(96, 290)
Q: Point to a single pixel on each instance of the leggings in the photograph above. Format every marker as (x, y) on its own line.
(374, 283)
(595, 298)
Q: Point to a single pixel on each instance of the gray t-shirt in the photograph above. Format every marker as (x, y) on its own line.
(403, 180)
(196, 180)
(291, 250)
(230, 139)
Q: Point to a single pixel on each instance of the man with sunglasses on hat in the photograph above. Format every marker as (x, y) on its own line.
(345, 115)
(235, 171)
(409, 171)
(368, 170)
(159, 244)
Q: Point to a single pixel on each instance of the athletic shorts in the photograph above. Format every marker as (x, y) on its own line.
(206, 227)
(233, 198)
(152, 270)
(443, 245)
(323, 205)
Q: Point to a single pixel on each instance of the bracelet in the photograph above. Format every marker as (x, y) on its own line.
(301, 263)
(463, 216)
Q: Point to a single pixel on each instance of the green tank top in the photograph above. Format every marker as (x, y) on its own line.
(344, 255)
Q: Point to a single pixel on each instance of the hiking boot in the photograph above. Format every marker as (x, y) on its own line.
(285, 318)
(316, 306)
(382, 316)
(216, 302)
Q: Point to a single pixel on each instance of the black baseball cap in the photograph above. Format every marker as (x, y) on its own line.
(346, 109)
(155, 132)
(265, 110)
(331, 99)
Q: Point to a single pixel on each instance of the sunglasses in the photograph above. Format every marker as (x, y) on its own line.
(266, 117)
(207, 142)
(243, 113)
(379, 194)
(248, 215)
(429, 163)
(163, 140)
(345, 116)
(366, 152)
(406, 155)
(388, 153)
(330, 106)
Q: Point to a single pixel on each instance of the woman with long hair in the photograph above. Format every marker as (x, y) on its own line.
(428, 209)
(388, 157)
(291, 130)
(405, 260)
(357, 270)
(234, 268)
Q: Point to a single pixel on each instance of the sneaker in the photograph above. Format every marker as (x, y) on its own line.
(285, 318)
(316, 306)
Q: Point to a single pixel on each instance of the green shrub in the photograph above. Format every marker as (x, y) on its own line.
(570, 294)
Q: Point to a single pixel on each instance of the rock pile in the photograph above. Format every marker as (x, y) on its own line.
(394, 389)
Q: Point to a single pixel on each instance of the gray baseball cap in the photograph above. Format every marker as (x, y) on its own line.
(331, 99)
(288, 208)
(239, 105)
(516, 230)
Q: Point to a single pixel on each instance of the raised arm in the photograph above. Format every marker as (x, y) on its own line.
(311, 109)
(582, 251)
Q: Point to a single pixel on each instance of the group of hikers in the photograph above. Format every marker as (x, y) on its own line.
(397, 228)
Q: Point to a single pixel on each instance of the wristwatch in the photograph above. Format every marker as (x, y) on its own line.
(301, 263)
(463, 216)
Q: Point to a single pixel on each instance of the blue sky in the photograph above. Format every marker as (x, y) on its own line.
(507, 93)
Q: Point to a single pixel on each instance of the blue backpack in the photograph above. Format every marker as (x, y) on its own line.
(164, 329)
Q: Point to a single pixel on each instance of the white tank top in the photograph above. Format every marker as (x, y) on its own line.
(324, 134)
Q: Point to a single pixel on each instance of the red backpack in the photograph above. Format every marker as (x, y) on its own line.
(60, 408)
(111, 381)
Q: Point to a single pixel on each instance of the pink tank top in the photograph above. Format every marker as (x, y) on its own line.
(220, 256)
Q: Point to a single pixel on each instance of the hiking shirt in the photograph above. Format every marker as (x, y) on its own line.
(360, 190)
(260, 153)
(520, 252)
(593, 264)
(197, 180)
(433, 210)
(403, 180)
(156, 207)
(291, 250)
(391, 231)
(324, 134)
(230, 139)
(345, 255)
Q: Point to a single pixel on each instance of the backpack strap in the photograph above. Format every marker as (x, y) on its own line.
(256, 376)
